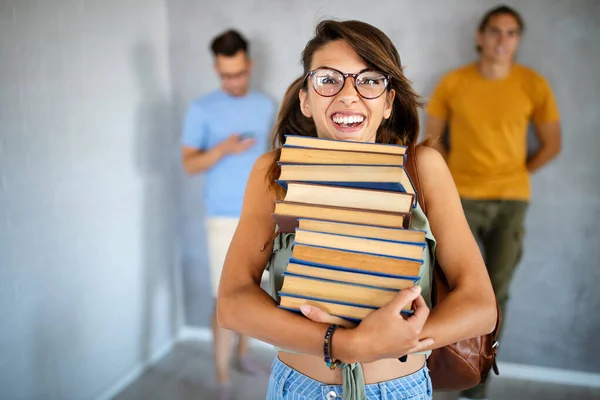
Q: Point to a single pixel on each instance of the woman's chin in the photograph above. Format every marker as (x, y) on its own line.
(355, 134)
(348, 136)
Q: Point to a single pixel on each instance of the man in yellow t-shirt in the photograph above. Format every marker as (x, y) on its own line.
(487, 107)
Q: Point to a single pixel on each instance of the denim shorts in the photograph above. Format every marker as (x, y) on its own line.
(288, 384)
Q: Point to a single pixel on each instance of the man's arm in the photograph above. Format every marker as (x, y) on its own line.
(549, 136)
(434, 131)
(196, 160)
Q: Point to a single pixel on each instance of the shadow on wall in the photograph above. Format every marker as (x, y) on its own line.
(155, 158)
(260, 59)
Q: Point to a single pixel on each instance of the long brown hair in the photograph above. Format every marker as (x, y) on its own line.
(379, 53)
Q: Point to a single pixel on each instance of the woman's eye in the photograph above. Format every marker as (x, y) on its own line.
(371, 81)
(328, 81)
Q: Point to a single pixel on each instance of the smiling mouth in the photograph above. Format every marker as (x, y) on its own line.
(347, 120)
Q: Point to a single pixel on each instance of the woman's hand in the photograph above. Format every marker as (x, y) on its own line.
(316, 314)
(386, 333)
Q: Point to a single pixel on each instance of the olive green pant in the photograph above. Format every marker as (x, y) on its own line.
(498, 226)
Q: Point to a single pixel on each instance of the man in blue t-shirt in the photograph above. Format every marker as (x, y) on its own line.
(224, 133)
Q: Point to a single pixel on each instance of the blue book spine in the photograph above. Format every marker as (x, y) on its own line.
(384, 186)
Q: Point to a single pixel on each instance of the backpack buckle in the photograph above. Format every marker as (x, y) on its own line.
(494, 353)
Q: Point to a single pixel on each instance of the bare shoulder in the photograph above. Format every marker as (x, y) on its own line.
(431, 164)
(440, 193)
(264, 162)
(258, 190)
(429, 154)
(268, 157)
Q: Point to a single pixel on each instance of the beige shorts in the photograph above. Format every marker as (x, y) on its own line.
(219, 231)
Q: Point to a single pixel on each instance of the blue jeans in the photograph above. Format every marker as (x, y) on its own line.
(288, 384)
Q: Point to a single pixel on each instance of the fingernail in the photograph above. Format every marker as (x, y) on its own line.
(415, 288)
(305, 309)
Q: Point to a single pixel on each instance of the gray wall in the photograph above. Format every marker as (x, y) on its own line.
(551, 318)
(88, 195)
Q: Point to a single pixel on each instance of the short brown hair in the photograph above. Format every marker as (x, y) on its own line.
(229, 43)
(500, 10)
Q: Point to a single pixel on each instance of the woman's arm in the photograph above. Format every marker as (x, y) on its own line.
(469, 310)
(244, 307)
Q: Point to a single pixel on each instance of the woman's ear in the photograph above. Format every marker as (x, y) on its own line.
(389, 104)
(304, 106)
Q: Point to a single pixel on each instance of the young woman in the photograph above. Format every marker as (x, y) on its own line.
(353, 88)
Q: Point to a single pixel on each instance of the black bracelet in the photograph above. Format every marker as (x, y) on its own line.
(329, 360)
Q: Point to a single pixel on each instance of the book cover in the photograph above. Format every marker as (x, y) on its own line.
(386, 265)
(286, 211)
(349, 197)
(304, 155)
(351, 311)
(364, 230)
(365, 245)
(414, 278)
(380, 176)
(332, 144)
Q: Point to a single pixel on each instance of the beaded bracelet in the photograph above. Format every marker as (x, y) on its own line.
(329, 360)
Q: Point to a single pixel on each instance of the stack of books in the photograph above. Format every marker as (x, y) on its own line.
(349, 204)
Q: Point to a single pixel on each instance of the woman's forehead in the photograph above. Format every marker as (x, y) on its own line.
(338, 55)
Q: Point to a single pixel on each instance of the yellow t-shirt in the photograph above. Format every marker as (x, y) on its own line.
(488, 121)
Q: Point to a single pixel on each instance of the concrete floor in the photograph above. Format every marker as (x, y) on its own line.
(186, 373)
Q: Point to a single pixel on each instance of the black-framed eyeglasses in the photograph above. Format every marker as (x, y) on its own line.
(328, 82)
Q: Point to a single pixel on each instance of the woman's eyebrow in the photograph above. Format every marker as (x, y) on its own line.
(324, 67)
(335, 69)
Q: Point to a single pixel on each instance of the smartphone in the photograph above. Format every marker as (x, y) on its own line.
(245, 136)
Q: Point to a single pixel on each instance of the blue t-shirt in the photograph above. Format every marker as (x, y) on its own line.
(212, 119)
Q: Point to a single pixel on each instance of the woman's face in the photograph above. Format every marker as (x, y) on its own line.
(347, 115)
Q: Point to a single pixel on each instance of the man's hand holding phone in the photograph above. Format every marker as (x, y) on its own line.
(237, 143)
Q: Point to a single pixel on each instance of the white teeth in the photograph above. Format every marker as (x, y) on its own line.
(348, 119)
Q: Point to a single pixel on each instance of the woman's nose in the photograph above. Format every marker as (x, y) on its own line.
(348, 93)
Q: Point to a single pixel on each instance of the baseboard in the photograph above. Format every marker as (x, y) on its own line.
(194, 333)
(205, 334)
(548, 375)
(137, 371)
(507, 370)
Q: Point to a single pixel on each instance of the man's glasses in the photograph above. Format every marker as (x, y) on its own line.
(328, 82)
(234, 76)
